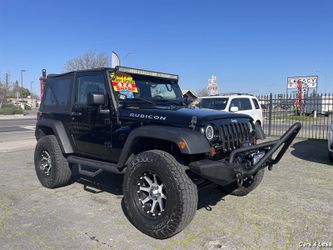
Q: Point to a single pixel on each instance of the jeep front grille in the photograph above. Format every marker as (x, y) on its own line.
(233, 135)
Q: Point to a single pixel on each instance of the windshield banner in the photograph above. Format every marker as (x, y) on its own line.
(124, 84)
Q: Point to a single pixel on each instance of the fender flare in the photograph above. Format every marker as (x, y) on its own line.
(59, 131)
(196, 143)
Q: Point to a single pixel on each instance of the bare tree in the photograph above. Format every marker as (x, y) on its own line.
(90, 60)
(4, 90)
(202, 92)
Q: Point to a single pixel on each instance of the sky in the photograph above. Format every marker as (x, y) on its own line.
(251, 46)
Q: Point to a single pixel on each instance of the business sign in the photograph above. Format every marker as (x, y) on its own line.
(307, 81)
(212, 86)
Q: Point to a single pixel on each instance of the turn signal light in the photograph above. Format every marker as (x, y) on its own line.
(181, 144)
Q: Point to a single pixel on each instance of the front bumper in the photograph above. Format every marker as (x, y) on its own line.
(223, 172)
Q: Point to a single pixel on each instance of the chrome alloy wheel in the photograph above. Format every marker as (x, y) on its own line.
(45, 162)
(151, 194)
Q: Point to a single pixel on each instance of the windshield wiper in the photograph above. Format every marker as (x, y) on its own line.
(138, 99)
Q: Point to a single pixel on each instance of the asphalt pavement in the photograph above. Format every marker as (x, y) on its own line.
(17, 125)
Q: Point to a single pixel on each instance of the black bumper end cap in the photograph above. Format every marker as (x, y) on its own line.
(219, 172)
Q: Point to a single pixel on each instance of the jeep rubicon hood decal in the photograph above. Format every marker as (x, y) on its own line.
(181, 116)
(147, 116)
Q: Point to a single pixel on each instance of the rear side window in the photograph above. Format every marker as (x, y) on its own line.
(241, 103)
(256, 104)
(89, 84)
(58, 94)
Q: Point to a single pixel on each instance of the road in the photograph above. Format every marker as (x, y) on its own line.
(293, 205)
(17, 125)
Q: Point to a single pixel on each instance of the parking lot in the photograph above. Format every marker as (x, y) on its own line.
(292, 205)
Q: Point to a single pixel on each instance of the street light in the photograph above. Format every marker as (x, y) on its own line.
(22, 71)
(31, 99)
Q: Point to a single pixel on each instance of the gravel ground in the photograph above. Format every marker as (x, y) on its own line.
(293, 204)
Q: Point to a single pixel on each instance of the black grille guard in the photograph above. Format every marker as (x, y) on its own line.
(270, 148)
(224, 172)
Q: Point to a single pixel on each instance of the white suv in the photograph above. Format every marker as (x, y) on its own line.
(235, 102)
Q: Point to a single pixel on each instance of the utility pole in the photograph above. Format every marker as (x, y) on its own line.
(22, 71)
(31, 99)
(31, 88)
(6, 79)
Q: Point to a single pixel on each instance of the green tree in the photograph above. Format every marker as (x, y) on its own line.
(4, 90)
(23, 92)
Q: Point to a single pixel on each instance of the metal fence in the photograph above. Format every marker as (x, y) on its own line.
(315, 112)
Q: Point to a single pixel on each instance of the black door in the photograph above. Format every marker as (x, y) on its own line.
(91, 126)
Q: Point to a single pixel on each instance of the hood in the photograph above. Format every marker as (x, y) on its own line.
(180, 116)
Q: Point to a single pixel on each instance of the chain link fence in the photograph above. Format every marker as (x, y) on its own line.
(314, 111)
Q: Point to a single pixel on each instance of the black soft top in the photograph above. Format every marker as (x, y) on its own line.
(76, 71)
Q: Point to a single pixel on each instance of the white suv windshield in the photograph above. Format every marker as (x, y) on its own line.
(213, 103)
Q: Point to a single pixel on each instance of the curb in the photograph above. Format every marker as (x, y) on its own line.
(13, 117)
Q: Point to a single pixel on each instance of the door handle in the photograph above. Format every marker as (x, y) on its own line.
(76, 113)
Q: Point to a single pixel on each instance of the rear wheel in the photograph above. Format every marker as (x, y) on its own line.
(248, 185)
(159, 197)
(51, 166)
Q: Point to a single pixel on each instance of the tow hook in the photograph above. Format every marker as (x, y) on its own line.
(239, 179)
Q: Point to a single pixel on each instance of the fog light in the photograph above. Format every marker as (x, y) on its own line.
(212, 152)
(257, 157)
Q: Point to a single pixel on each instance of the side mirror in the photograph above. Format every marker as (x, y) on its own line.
(234, 109)
(95, 99)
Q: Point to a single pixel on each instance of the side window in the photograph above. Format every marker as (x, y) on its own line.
(58, 94)
(256, 104)
(241, 103)
(89, 84)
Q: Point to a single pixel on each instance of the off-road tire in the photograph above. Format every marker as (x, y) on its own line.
(181, 193)
(60, 173)
(246, 188)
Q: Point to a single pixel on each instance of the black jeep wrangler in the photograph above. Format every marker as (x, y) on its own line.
(136, 122)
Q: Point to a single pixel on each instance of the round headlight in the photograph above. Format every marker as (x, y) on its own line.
(209, 132)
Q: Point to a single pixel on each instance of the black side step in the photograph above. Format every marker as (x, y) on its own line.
(92, 172)
(98, 165)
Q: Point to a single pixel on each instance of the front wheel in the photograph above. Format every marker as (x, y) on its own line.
(330, 156)
(160, 199)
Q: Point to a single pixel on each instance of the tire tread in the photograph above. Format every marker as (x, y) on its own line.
(184, 185)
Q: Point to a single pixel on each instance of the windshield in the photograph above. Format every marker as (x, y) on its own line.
(213, 103)
(147, 89)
